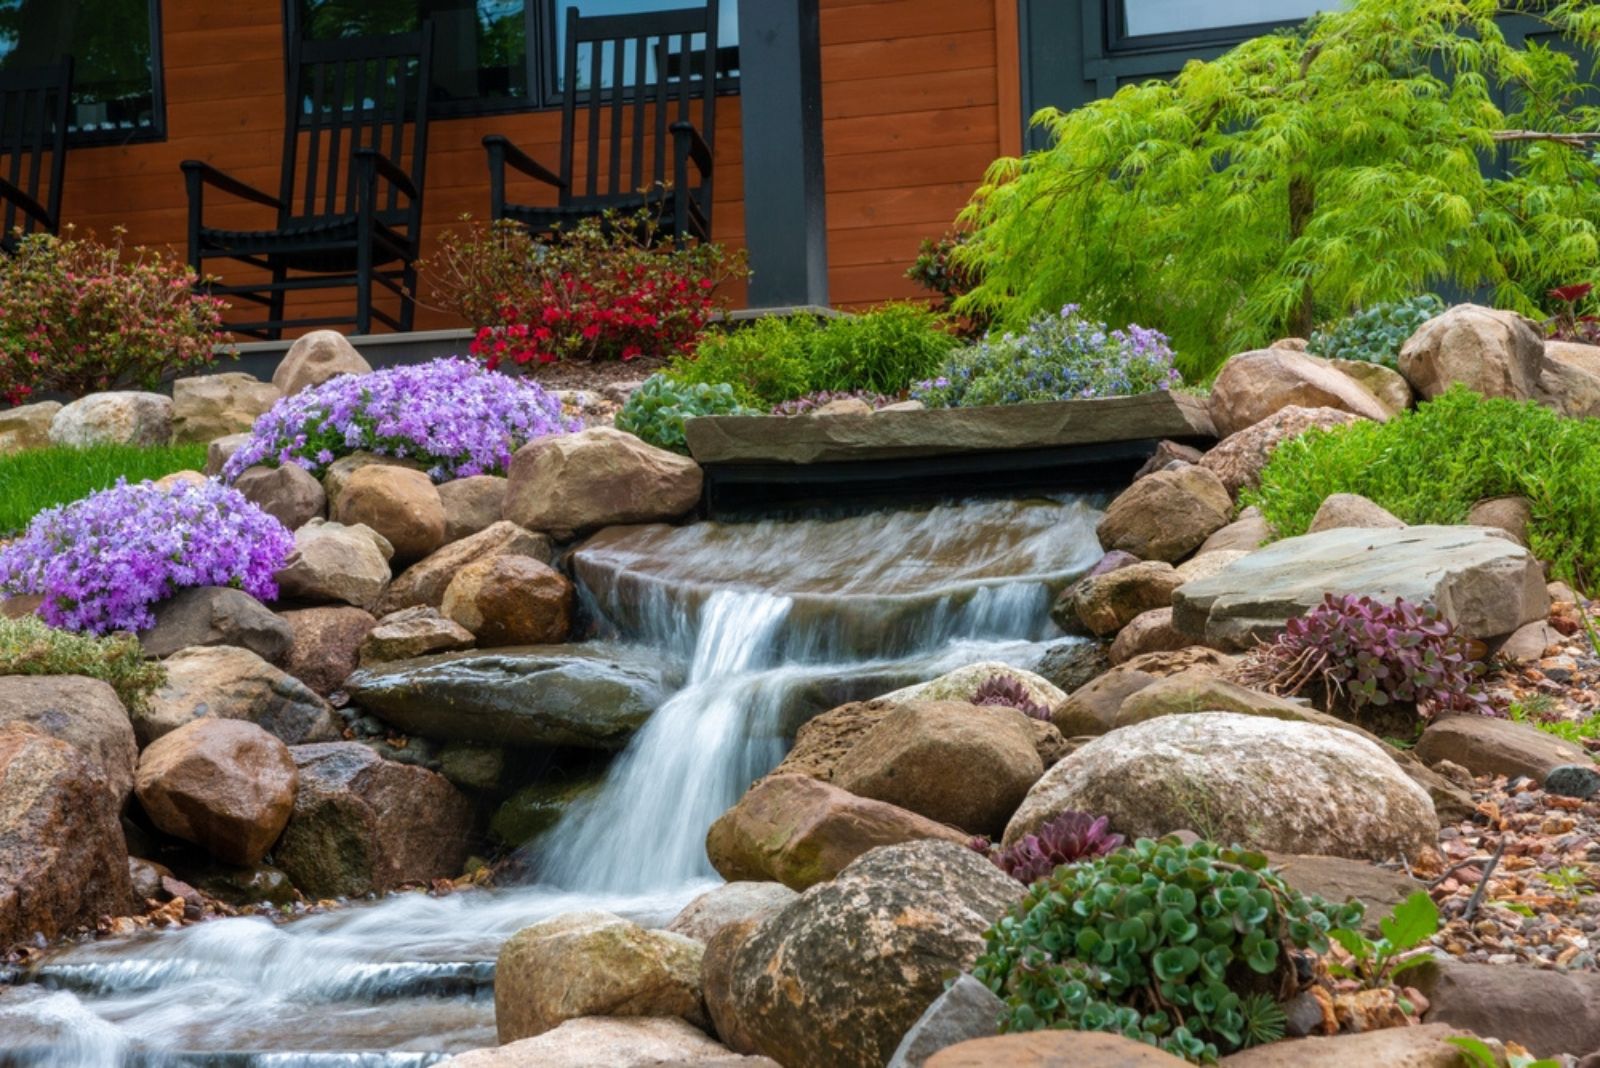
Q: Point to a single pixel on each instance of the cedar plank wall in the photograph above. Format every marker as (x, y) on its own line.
(914, 92)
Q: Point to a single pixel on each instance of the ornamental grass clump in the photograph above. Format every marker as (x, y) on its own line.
(77, 316)
(1059, 356)
(1186, 947)
(102, 564)
(450, 415)
(29, 647)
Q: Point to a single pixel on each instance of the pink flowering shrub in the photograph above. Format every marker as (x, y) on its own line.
(102, 564)
(450, 415)
(78, 316)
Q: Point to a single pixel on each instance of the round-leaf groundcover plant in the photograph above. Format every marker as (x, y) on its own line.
(102, 563)
(450, 415)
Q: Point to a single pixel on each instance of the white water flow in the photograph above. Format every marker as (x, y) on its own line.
(777, 620)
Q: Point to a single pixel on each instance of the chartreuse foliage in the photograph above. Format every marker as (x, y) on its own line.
(29, 647)
(1176, 945)
(1431, 464)
(1302, 175)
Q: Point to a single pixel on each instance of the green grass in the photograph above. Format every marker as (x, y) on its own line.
(37, 479)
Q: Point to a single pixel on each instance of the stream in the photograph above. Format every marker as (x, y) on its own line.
(776, 620)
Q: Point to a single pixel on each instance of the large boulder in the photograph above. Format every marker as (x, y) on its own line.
(1254, 385)
(225, 785)
(1093, 707)
(289, 493)
(1491, 352)
(85, 713)
(1202, 690)
(1239, 458)
(1427, 1046)
(425, 582)
(1569, 382)
(593, 964)
(314, 358)
(364, 825)
(227, 682)
(1167, 515)
(1549, 1012)
(511, 600)
(839, 976)
(801, 831)
(26, 426)
(1106, 603)
(1147, 632)
(63, 860)
(326, 645)
(220, 450)
(471, 504)
(965, 765)
(1247, 533)
(593, 695)
(1385, 383)
(334, 562)
(565, 484)
(1512, 514)
(217, 615)
(969, 1009)
(1484, 583)
(614, 1042)
(963, 684)
(732, 902)
(1343, 879)
(411, 633)
(1261, 782)
(209, 406)
(1352, 510)
(1485, 745)
(401, 504)
(1055, 1049)
(116, 418)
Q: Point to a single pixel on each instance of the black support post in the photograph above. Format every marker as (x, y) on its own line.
(780, 88)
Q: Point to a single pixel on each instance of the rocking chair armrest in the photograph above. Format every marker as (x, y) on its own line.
(200, 172)
(503, 152)
(24, 202)
(386, 168)
(692, 143)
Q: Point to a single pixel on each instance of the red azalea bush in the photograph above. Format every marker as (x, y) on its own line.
(1568, 324)
(607, 288)
(77, 316)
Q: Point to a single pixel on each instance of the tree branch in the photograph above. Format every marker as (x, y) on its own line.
(1572, 140)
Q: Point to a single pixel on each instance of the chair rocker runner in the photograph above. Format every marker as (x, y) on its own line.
(34, 106)
(625, 74)
(349, 202)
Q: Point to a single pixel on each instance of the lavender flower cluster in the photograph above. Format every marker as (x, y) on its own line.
(102, 563)
(451, 415)
(1059, 356)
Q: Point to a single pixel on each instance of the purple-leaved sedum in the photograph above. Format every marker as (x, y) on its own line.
(450, 415)
(103, 563)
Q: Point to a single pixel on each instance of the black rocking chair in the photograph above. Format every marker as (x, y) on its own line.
(640, 68)
(33, 149)
(349, 208)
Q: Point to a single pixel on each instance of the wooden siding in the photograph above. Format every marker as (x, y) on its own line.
(916, 94)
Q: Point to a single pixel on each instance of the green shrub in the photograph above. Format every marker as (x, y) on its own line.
(656, 410)
(37, 479)
(1431, 464)
(1182, 946)
(777, 359)
(29, 647)
(1375, 334)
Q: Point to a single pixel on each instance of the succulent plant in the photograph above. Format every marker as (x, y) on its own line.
(655, 412)
(1372, 654)
(1008, 691)
(1376, 333)
(1176, 945)
(1065, 839)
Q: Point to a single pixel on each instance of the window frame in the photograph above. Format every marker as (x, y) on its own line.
(544, 93)
(1120, 42)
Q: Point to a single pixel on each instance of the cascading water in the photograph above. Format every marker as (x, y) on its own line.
(777, 620)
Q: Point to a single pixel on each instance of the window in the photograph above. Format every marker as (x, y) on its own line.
(114, 45)
(488, 55)
(1137, 23)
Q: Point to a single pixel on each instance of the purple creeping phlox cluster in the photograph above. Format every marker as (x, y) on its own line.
(450, 415)
(102, 563)
(1060, 356)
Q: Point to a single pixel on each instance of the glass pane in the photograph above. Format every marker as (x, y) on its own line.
(110, 44)
(480, 47)
(1145, 17)
(727, 39)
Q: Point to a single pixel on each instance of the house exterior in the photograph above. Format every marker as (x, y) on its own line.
(915, 99)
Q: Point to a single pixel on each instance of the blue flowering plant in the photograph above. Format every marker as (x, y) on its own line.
(450, 415)
(102, 563)
(1060, 356)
